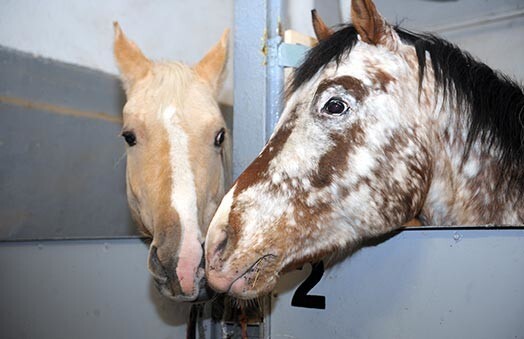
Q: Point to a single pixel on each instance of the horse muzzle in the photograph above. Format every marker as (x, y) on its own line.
(168, 284)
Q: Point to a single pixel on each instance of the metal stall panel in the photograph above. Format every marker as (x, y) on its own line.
(418, 284)
(62, 160)
(83, 289)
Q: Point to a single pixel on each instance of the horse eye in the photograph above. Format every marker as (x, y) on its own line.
(129, 137)
(220, 137)
(335, 106)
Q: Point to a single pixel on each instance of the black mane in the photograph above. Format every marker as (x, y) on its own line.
(494, 103)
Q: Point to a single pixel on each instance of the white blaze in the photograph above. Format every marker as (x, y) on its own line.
(183, 200)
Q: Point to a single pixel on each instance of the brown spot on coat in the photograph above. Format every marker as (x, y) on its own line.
(378, 76)
(257, 170)
(335, 161)
(384, 79)
(352, 85)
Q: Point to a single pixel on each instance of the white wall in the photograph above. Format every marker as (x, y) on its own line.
(81, 32)
(499, 44)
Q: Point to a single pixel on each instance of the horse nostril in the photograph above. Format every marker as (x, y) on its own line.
(216, 251)
(222, 245)
(155, 266)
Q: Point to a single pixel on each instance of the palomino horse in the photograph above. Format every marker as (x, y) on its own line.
(178, 159)
(380, 125)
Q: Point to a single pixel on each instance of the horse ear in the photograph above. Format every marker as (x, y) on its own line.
(212, 65)
(371, 26)
(322, 31)
(132, 63)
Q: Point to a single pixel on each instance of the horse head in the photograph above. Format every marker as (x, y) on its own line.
(178, 159)
(365, 143)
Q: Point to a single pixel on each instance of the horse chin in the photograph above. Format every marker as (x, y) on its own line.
(259, 279)
(205, 293)
(201, 293)
(253, 285)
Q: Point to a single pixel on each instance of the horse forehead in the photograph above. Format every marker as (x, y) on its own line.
(167, 83)
(192, 120)
(370, 64)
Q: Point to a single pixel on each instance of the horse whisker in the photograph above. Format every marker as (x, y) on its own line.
(256, 278)
(120, 159)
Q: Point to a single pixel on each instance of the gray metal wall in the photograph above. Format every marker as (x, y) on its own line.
(451, 284)
(61, 168)
(83, 289)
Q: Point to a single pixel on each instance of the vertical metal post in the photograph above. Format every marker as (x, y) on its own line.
(258, 77)
(275, 73)
(249, 108)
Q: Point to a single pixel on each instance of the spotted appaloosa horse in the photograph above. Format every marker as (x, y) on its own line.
(178, 159)
(380, 125)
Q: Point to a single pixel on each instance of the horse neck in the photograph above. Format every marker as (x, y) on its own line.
(467, 190)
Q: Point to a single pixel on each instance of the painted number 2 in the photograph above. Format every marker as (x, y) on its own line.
(301, 298)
